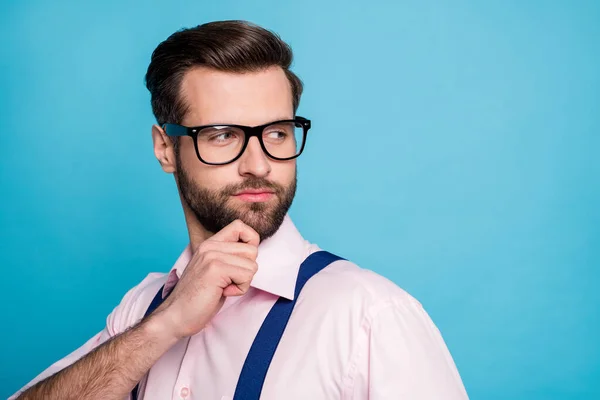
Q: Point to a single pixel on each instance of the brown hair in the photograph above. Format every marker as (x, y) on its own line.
(230, 46)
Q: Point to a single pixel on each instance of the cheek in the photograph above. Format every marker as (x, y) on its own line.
(187, 154)
(283, 172)
(195, 170)
(213, 178)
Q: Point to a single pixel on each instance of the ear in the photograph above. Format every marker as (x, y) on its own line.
(163, 149)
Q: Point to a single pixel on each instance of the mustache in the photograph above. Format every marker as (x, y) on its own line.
(252, 183)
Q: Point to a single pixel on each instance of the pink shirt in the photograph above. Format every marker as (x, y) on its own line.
(352, 335)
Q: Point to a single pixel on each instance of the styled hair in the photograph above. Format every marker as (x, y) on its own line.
(228, 46)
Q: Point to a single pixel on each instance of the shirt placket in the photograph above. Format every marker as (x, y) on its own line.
(182, 389)
(183, 384)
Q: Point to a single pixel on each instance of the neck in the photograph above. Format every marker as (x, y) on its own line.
(196, 231)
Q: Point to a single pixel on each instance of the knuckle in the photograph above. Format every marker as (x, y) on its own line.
(205, 246)
(248, 276)
(214, 265)
(209, 255)
(251, 251)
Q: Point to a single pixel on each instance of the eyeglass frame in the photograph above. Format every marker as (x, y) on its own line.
(175, 130)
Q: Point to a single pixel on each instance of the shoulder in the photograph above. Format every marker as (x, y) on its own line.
(134, 304)
(345, 285)
(395, 346)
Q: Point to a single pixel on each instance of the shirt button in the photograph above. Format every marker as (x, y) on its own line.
(184, 392)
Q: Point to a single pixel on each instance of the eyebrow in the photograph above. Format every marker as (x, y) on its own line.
(234, 123)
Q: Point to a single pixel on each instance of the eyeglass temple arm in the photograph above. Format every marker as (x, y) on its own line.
(176, 130)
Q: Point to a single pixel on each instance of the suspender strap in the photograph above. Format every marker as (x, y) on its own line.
(261, 353)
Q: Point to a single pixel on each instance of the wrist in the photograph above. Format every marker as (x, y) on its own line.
(159, 327)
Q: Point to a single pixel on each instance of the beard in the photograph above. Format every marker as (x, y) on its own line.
(212, 209)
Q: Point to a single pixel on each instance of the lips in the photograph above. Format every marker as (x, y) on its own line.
(254, 191)
(254, 195)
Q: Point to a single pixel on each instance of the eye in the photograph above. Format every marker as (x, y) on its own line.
(276, 135)
(223, 136)
(219, 137)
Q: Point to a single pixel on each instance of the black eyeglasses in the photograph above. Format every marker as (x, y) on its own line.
(221, 144)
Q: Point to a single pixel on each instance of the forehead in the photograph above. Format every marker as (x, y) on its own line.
(251, 98)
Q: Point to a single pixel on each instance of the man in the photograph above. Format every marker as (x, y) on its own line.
(225, 102)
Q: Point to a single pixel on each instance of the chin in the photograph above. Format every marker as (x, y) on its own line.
(262, 221)
(256, 215)
(263, 207)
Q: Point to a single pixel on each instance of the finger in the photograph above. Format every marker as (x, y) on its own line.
(239, 249)
(231, 260)
(236, 280)
(237, 231)
(234, 290)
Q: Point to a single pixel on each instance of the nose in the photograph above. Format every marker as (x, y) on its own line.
(254, 162)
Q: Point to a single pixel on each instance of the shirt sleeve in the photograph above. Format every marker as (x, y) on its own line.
(122, 317)
(405, 357)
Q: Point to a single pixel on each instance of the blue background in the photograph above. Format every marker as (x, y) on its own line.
(454, 150)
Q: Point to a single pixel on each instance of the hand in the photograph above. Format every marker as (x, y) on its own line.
(222, 266)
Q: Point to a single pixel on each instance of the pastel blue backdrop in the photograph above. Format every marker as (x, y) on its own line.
(454, 150)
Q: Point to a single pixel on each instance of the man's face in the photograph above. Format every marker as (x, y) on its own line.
(255, 188)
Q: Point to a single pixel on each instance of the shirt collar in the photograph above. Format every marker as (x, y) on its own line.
(279, 258)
